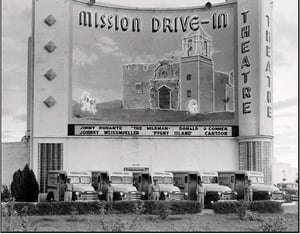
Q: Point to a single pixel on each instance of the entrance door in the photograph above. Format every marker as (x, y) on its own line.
(192, 186)
(164, 95)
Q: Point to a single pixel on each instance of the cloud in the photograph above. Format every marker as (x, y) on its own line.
(21, 117)
(173, 54)
(108, 46)
(286, 114)
(293, 101)
(82, 58)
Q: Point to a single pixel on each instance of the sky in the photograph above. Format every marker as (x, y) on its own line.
(16, 26)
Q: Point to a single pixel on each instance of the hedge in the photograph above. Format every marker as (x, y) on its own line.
(255, 206)
(123, 207)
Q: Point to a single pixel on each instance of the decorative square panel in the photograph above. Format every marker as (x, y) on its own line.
(50, 47)
(50, 20)
(50, 75)
(50, 101)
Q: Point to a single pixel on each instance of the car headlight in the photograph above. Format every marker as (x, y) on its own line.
(100, 193)
(121, 193)
(235, 193)
(185, 194)
(219, 193)
(143, 193)
(77, 193)
(269, 193)
(165, 193)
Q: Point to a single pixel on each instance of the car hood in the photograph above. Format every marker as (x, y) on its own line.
(168, 188)
(216, 188)
(264, 187)
(125, 188)
(83, 188)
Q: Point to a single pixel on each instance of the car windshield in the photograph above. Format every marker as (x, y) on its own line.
(209, 180)
(168, 180)
(292, 186)
(74, 179)
(116, 180)
(256, 180)
(159, 179)
(85, 180)
(127, 180)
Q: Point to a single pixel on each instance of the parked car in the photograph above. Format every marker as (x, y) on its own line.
(289, 189)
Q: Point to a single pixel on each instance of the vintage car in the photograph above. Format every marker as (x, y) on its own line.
(290, 190)
(237, 180)
(187, 182)
(82, 186)
(122, 183)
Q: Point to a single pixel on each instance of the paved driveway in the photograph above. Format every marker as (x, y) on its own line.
(290, 208)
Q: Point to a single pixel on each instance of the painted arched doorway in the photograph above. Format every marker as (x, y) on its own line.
(164, 98)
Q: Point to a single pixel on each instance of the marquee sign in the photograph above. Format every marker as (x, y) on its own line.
(137, 66)
(152, 131)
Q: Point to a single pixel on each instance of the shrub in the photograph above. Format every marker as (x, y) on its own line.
(164, 210)
(256, 206)
(24, 186)
(241, 211)
(99, 207)
(277, 224)
(265, 206)
(5, 194)
(230, 207)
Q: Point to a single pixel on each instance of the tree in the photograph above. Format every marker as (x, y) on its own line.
(24, 186)
(15, 186)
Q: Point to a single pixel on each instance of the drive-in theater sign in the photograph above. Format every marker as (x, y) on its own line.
(168, 89)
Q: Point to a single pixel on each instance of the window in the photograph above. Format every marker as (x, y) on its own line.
(188, 76)
(85, 180)
(146, 67)
(138, 87)
(116, 180)
(50, 158)
(127, 180)
(189, 93)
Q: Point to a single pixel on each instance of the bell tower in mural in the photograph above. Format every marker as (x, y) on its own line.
(197, 75)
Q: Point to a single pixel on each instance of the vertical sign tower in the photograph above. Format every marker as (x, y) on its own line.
(255, 86)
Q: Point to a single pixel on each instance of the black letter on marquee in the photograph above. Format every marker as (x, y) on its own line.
(246, 108)
(245, 47)
(245, 62)
(245, 31)
(244, 14)
(194, 22)
(269, 112)
(269, 81)
(220, 21)
(246, 92)
(268, 68)
(167, 24)
(136, 22)
(245, 76)
(268, 51)
(184, 23)
(155, 25)
(268, 20)
(103, 24)
(110, 24)
(124, 24)
(269, 97)
(85, 18)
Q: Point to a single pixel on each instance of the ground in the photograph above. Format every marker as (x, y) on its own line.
(205, 222)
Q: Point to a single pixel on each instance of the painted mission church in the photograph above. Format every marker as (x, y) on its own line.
(191, 84)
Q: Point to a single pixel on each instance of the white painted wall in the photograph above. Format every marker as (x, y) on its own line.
(82, 154)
